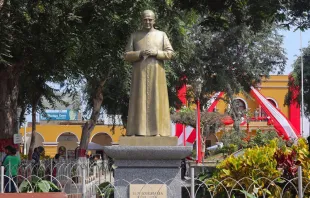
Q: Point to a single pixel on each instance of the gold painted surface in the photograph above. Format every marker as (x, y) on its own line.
(148, 107)
(148, 141)
(148, 191)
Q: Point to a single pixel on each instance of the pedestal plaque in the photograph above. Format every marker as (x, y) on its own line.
(148, 191)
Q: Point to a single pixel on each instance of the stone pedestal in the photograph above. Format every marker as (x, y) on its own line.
(148, 165)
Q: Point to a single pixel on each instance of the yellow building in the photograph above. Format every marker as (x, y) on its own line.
(53, 136)
(274, 89)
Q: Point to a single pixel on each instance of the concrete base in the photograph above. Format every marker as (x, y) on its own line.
(148, 165)
(148, 141)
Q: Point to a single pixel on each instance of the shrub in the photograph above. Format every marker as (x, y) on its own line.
(245, 170)
(38, 186)
(264, 138)
(106, 190)
(234, 138)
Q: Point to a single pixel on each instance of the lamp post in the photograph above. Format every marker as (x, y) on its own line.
(25, 138)
(198, 87)
(302, 86)
(18, 112)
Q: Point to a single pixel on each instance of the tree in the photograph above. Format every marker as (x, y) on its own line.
(33, 89)
(254, 14)
(10, 66)
(34, 48)
(50, 45)
(233, 60)
(210, 121)
(296, 81)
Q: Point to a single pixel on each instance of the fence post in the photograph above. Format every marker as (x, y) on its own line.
(83, 181)
(2, 180)
(192, 182)
(51, 170)
(300, 193)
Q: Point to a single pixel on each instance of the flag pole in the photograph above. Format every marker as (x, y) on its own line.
(198, 138)
(302, 86)
(198, 87)
(184, 136)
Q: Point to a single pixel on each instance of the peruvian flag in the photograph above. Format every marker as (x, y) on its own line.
(186, 134)
(280, 122)
(214, 100)
(294, 109)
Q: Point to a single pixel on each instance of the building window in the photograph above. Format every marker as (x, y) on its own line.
(273, 102)
(240, 105)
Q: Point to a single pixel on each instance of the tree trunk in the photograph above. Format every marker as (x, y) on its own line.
(8, 102)
(235, 114)
(90, 124)
(33, 128)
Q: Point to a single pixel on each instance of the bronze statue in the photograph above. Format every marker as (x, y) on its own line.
(147, 49)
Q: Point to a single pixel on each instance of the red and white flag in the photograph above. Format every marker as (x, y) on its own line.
(214, 101)
(186, 134)
(280, 122)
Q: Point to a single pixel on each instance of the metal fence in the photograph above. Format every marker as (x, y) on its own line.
(94, 179)
(72, 177)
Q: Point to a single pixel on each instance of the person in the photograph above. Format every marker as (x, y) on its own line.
(36, 156)
(11, 165)
(148, 113)
(54, 172)
(6, 151)
(37, 152)
(183, 168)
(256, 114)
(36, 159)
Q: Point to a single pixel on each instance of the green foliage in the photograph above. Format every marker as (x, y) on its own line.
(219, 59)
(106, 190)
(263, 138)
(234, 138)
(187, 116)
(229, 149)
(38, 185)
(256, 163)
(255, 14)
(303, 156)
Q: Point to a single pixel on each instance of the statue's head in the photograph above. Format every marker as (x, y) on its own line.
(148, 18)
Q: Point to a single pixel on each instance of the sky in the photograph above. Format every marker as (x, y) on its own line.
(291, 44)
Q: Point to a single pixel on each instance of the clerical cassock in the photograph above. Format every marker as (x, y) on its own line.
(149, 113)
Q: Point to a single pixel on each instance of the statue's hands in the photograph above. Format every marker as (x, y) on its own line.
(143, 53)
(151, 52)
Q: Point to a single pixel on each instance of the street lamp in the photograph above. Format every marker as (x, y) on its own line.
(25, 138)
(18, 113)
(197, 89)
(302, 86)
